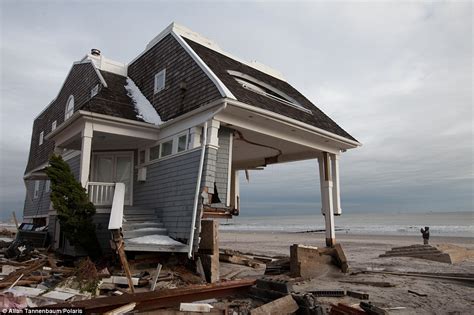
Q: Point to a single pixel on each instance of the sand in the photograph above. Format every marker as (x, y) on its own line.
(362, 251)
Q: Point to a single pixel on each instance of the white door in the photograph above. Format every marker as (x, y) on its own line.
(114, 168)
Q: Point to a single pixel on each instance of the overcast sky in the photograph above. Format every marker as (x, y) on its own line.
(395, 75)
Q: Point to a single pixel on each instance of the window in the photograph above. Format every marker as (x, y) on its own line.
(160, 81)
(182, 143)
(47, 186)
(166, 148)
(154, 152)
(53, 125)
(37, 188)
(41, 138)
(95, 90)
(69, 108)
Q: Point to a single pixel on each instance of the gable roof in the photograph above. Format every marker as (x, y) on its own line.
(221, 65)
(217, 63)
(113, 99)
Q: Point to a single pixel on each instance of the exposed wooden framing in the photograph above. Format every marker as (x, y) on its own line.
(119, 247)
(163, 298)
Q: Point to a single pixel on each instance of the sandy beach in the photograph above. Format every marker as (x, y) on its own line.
(362, 251)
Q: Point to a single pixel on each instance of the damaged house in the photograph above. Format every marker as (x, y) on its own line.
(159, 143)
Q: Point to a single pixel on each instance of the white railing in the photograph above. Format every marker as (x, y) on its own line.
(118, 201)
(101, 194)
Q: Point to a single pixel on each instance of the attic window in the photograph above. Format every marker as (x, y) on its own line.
(41, 138)
(262, 88)
(95, 90)
(69, 108)
(160, 81)
(53, 125)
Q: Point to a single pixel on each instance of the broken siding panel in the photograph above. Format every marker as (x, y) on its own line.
(170, 189)
(36, 206)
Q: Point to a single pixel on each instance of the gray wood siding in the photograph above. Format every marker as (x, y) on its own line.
(75, 165)
(181, 70)
(79, 83)
(222, 163)
(36, 206)
(169, 189)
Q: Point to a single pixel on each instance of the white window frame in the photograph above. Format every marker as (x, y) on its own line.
(36, 189)
(95, 90)
(158, 76)
(54, 125)
(69, 110)
(41, 137)
(172, 140)
(176, 142)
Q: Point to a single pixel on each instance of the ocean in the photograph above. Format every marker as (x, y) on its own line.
(440, 223)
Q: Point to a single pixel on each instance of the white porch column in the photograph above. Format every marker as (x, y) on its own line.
(336, 195)
(327, 197)
(195, 137)
(86, 151)
(235, 190)
(213, 133)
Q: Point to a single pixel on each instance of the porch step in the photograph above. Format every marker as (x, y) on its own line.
(144, 231)
(138, 218)
(156, 248)
(135, 225)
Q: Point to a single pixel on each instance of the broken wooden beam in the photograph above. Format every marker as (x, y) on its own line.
(147, 301)
(284, 305)
(357, 295)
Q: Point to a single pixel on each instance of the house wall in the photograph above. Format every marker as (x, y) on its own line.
(180, 69)
(170, 189)
(81, 79)
(36, 206)
(222, 163)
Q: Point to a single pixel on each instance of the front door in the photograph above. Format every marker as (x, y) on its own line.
(111, 167)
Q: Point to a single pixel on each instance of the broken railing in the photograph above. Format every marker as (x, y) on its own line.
(101, 194)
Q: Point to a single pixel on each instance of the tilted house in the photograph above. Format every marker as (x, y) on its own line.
(159, 143)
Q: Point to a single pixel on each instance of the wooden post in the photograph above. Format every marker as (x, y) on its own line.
(209, 249)
(119, 246)
(327, 197)
(86, 151)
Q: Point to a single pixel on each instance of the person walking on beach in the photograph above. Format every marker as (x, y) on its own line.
(426, 234)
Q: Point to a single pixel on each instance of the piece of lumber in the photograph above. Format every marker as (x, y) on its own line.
(372, 309)
(284, 305)
(153, 300)
(119, 245)
(358, 295)
(341, 258)
(122, 309)
(15, 220)
(343, 309)
(155, 278)
(379, 284)
(417, 293)
(195, 307)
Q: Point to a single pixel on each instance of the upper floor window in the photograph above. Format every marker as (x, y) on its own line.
(41, 138)
(182, 143)
(69, 108)
(53, 125)
(37, 188)
(95, 90)
(160, 79)
(47, 186)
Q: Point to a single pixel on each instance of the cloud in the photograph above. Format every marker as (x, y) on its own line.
(397, 76)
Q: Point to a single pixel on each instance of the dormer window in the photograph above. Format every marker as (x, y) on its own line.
(69, 108)
(41, 138)
(95, 90)
(262, 88)
(160, 79)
